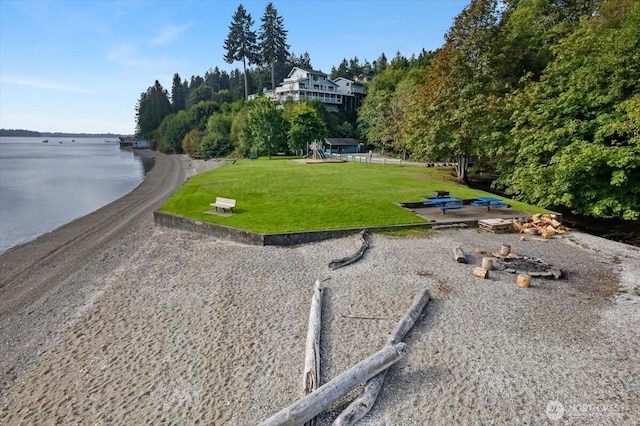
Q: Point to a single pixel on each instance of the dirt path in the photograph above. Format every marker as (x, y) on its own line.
(46, 283)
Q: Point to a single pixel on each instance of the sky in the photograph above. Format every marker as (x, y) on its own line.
(80, 66)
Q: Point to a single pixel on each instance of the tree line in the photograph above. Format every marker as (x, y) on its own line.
(543, 95)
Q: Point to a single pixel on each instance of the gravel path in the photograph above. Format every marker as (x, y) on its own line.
(160, 326)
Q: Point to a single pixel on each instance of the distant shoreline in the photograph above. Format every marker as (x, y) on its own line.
(34, 134)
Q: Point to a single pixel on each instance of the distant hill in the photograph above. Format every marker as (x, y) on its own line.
(18, 132)
(32, 133)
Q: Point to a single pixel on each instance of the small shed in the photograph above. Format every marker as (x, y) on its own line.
(342, 145)
(141, 143)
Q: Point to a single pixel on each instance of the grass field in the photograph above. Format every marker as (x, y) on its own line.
(281, 195)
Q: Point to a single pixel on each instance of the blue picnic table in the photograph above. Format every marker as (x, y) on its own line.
(489, 203)
(445, 203)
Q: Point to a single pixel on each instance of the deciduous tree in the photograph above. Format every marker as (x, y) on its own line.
(576, 129)
(267, 126)
(305, 126)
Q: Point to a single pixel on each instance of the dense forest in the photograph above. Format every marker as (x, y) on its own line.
(542, 95)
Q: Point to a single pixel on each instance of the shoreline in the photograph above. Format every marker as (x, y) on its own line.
(115, 321)
(145, 162)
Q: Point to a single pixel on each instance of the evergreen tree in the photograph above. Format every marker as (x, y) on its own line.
(178, 94)
(153, 106)
(273, 40)
(240, 44)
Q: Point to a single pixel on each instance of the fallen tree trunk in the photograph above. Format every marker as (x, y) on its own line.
(364, 245)
(311, 377)
(364, 402)
(319, 400)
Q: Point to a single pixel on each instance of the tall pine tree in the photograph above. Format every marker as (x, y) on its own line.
(240, 44)
(272, 40)
(178, 93)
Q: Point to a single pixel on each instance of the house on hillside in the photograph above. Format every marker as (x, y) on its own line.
(342, 145)
(353, 93)
(307, 85)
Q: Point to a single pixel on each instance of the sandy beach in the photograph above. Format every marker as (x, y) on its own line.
(110, 320)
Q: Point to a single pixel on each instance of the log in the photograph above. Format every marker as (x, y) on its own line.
(524, 280)
(505, 249)
(360, 406)
(487, 263)
(458, 254)
(364, 245)
(322, 398)
(311, 377)
(480, 273)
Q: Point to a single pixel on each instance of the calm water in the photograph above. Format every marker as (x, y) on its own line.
(46, 185)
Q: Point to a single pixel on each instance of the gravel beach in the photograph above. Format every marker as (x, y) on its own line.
(110, 320)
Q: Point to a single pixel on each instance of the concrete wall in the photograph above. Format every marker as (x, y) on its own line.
(252, 238)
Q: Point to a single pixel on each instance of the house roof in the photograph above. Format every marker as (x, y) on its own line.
(306, 70)
(342, 141)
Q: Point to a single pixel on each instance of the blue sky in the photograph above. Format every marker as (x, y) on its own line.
(80, 66)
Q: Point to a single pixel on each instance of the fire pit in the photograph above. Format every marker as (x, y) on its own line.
(527, 265)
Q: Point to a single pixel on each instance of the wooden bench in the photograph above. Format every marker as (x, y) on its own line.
(224, 204)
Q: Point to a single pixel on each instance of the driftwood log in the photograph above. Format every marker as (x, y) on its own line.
(364, 402)
(311, 377)
(459, 255)
(364, 245)
(505, 249)
(319, 400)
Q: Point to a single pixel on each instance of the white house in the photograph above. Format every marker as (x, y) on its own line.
(307, 85)
(141, 143)
(353, 93)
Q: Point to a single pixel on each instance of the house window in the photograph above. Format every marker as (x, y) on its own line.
(315, 78)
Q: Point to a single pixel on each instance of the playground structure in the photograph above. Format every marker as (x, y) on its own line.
(317, 151)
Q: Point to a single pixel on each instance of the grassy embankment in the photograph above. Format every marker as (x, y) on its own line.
(281, 195)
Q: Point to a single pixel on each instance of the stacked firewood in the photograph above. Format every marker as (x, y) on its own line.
(545, 225)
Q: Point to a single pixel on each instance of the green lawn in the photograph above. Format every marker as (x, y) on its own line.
(281, 195)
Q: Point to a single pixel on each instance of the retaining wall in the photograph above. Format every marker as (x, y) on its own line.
(253, 238)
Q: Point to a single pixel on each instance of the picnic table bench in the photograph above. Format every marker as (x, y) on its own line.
(489, 202)
(224, 204)
(445, 203)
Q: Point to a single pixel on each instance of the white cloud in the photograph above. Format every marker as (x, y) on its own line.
(121, 51)
(169, 33)
(41, 84)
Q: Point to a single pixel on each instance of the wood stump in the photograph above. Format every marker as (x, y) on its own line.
(505, 250)
(524, 280)
(487, 263)
(480, 273)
